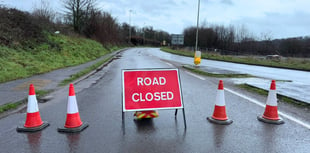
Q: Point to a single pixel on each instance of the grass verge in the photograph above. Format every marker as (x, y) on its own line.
(14, 105)
(279, 96)
(42, 93)
(85, 71)
(289, 63)
(216, 75)
(10, 106)
(58, 52)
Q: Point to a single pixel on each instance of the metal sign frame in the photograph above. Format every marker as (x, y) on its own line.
(180, 103)
(156, 69)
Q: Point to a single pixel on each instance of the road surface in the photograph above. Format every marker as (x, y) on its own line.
(99, 101)
(293, 83)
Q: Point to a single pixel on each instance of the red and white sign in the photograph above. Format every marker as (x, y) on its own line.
(147, 89)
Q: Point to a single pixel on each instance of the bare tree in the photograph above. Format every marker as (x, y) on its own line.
(43, 14)
(44, 11)
(78, 11)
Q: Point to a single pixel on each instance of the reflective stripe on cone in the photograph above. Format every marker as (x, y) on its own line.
(73, 121)
(219, 115)
(271, 110)
(33, 121)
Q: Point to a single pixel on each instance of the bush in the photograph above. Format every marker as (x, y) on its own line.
(18, 29)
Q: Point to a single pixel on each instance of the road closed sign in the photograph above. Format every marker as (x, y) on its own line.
(149, 89)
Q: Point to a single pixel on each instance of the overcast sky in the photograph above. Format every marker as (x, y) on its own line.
(275, 18)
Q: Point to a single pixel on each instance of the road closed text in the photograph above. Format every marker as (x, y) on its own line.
(150, 96)
(149, 89)
(157, 96)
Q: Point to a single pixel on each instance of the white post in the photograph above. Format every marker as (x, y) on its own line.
(196, 46)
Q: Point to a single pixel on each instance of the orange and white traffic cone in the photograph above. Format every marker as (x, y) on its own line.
(219, 115)
(271, 110)
(73, 120)
(33, 121)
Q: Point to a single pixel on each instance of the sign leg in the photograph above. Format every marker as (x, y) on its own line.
(184, 118)
(123, 122)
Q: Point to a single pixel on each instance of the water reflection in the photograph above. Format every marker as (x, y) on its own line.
(296, 79)
(269, 136)
(218, 134)
(145, 125)
(34, 141)
(177, 129)
(73, 141)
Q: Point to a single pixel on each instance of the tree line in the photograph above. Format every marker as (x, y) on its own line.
(80, 17)
(83, 17)
(239, 41)
(89, 20)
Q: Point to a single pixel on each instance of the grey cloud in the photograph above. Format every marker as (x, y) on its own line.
(227, 2)
(280, 25)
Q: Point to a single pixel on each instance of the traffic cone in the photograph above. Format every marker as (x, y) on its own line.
(219, 115)
(271, 110)
(73, 120)
(33, 121)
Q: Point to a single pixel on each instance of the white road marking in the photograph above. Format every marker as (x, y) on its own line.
(169, 64)
(196, 76)
(263, 105)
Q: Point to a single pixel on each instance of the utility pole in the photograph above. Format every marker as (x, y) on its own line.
(143, 33)
(129, 38)
(196, 46)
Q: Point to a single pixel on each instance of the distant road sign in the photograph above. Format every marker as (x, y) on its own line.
(149, 89)
(177, 39)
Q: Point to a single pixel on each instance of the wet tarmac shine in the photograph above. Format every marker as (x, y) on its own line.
(99, 100)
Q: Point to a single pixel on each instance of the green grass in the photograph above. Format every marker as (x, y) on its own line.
(41, 93)
(14, 105)
(10, 106)
(253, 89)
(58, 52)
(217, 75)
(178, 52)
(280, 97)
(289, 63)
(85, 71)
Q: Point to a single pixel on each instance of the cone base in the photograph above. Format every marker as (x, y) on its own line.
(262, 119)
(32, 129)
(221, 122)
(73, 130)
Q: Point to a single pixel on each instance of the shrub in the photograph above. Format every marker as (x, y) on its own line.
(18, 29)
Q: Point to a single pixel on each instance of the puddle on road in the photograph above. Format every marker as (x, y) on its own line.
(38, 84)
(284, 87)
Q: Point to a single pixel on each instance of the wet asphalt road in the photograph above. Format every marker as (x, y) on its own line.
(99, 102)
(292, 83)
